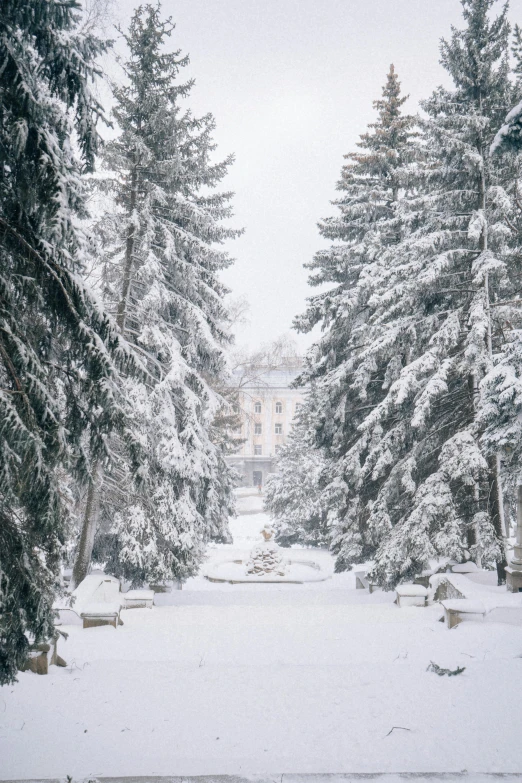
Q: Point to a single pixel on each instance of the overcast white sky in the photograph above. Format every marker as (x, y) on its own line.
(291, 85)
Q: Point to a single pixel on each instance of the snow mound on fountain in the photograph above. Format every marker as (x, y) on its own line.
(266, 558)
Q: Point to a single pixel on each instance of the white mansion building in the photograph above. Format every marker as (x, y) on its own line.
(268, 406)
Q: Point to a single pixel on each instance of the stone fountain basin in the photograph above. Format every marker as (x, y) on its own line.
(297, 572)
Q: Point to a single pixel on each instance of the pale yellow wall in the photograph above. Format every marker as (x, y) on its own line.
(268, 418)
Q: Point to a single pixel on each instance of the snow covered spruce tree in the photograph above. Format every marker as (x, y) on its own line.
(501, 389)
(346, 385)
(454, 263)
(163, 259)
(419, 482)
(59, 353)
(509, 135)
(295, 495)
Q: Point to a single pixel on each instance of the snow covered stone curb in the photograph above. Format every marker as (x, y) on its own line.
(289, 777)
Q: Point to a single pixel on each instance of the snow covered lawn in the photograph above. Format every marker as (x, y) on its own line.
(259, 679)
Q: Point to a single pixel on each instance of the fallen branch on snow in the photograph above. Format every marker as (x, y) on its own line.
(403, 728)
(434, 667)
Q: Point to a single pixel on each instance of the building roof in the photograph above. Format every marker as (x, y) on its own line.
(269, 378)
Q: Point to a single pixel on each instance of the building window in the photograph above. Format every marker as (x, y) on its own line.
(257, 407)
(278, 429)
(258, 450)
(257, 429)
(278, 449)
(258, 478)
(279, 407)
(297, 406)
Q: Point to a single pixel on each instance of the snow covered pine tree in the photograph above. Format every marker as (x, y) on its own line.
(162, 281)
(509, 136)
(443, 497)
(501, 389)
(59, 353)
(295, 496)
(418, 482)
(347, 379)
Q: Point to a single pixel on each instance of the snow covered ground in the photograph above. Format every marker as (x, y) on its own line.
(269, 679)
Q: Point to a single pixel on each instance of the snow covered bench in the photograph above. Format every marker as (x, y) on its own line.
(363, 583)
(94, 602)
(478, 587)
(166, 587)
(136, 599)
(438, 566)
(448, 586)
(411, 595)
(458, 609)
(101, 614)
(464, 568)
(41, 656)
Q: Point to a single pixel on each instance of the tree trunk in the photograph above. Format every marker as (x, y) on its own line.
(495, 498)
(92, 508)
(496, 514)
(89, 525)
(473, 534)
(129, 255)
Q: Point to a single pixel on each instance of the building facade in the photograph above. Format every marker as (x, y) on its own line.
(268, 406)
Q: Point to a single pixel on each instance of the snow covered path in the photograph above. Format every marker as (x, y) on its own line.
(269, 679)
